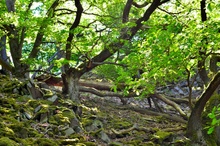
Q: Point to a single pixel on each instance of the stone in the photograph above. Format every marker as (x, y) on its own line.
(104, 137)
(53, 98)
(69, 131)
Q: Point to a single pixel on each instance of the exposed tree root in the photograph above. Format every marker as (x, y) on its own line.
(134, 127)
(105, 90)
(149, 112)
(171, 103)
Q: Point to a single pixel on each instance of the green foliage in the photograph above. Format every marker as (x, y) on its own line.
(214, 116)
(108, 71)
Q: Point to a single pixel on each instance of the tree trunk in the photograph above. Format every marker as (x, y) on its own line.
(194, 127)
(3, 54)
(71, 88)
(213, 63)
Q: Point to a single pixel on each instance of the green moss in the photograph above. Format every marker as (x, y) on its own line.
(68, 113)
(61, 120)
(8, 85)
(46, 142)
(52, 120)
(120, 124)
(115, 144)
(20, 130)
(81, 144)
(27, 141)
(134, 142)
(90, 144)
(213, 101)
(79, 136)
(96, 133)
(22, 98)
(86, 121)
(47, 92)
(160, 136)
(5, 141)
(8, 102)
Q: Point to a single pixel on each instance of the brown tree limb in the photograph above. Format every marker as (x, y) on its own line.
(146, 16)
(74, 25)
(105, 93)
(171, 103)
(6, 66)
(126, 11)
(194, 127)
(140, 5)
(114, 47)
(10, 5)
(40, 33)
(149, 112)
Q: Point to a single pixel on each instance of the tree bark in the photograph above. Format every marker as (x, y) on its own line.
(202, 52)
(71, 87)
(3, 55)
(40, 33)
(194, 127)
(10, 5)
(213, 63)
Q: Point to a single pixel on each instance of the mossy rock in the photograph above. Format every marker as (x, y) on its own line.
(90, 144)
(120, 124)
(8, 102)
(5, 141)
(86, 121)
(21, 131)
(161, 136)
(69, 141)
(115, 144)
(46, 142)
(8, 85)
(79, 136)
(62, 117)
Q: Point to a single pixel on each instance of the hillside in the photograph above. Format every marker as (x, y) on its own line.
(51, 121)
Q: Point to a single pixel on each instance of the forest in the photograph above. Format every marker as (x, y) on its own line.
(119, 72)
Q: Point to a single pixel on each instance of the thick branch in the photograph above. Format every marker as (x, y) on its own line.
(146, 16)
(40, 34)
(6, 65)
(148, 112)
(10, 5)
(173, 104)
(195, 120)
(127, 11)
(114, 47)
(74, 25)
(140, 5)
(105, 93)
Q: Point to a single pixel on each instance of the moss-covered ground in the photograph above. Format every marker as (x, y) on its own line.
(39, 122)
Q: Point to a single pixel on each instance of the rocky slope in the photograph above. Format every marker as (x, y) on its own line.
(49, 120)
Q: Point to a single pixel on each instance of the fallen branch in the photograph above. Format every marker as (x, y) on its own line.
(184, 100)
(171, 103)
(134, 127)
(105, 93)
(148, 112)
(95, 87)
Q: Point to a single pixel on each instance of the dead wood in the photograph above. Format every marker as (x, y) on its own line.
(171, 103)
(134, 127)
(149, 112)
(104, 89)
(105, 93)
(184, 100)
(98, 85)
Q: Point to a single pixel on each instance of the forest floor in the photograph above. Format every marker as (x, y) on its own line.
(105, 121)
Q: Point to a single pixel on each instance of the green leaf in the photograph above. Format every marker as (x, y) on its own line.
(209, 7)
(210, 130)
